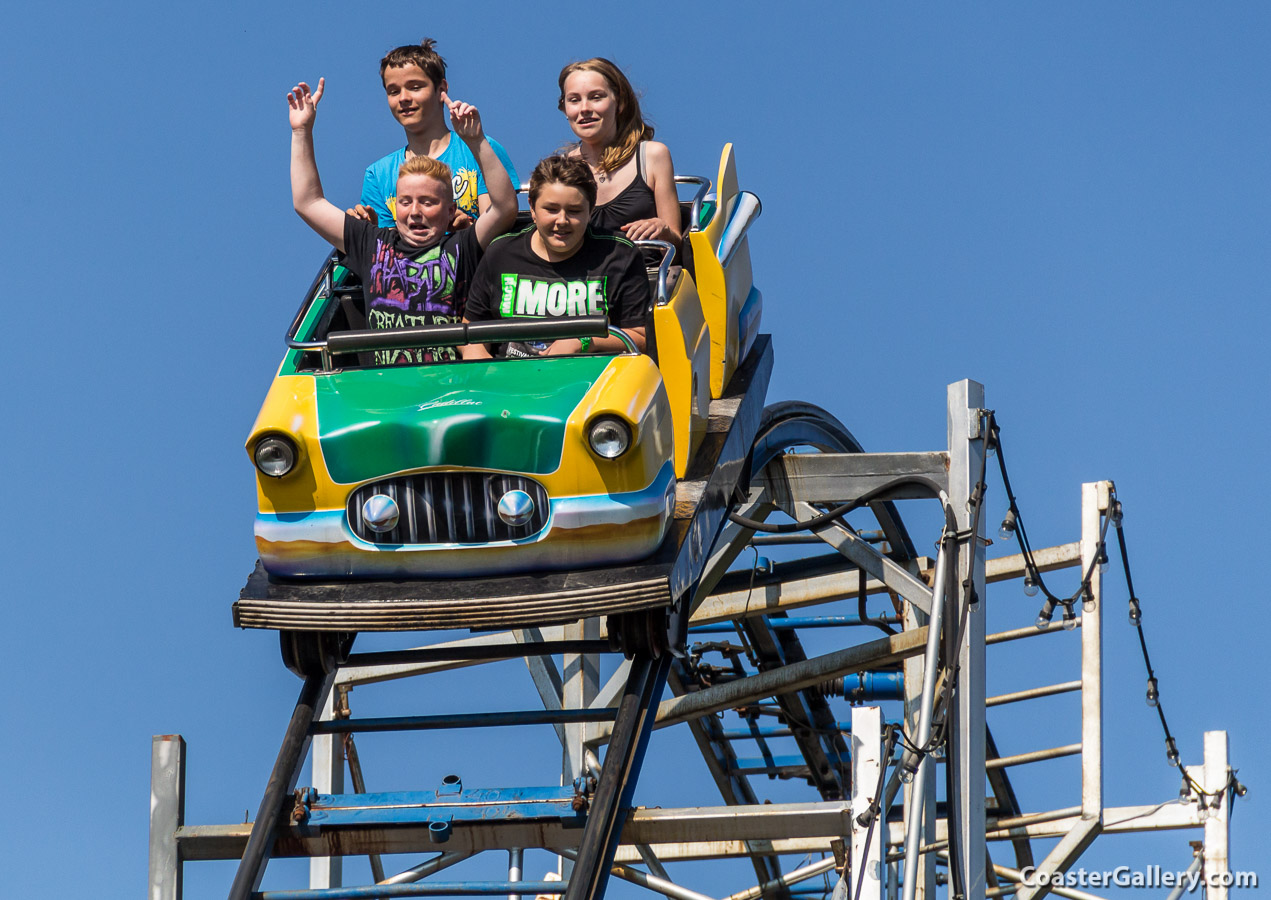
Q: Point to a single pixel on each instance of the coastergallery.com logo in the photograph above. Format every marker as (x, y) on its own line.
(1151, 877)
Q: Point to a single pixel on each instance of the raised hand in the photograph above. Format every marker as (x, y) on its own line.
(303, 104)
(465, 119)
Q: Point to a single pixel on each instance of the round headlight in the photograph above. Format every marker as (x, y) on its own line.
(275, 456)
(610, 437)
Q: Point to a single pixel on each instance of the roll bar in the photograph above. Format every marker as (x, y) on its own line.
(703, 189)
(495, 331)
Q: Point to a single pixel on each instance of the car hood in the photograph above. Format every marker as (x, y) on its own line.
(508, 415)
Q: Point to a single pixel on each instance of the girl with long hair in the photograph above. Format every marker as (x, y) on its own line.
(635, 178)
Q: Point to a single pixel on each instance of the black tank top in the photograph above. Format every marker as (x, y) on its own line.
(634, 203)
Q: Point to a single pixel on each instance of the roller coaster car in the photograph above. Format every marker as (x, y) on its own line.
(487, 468)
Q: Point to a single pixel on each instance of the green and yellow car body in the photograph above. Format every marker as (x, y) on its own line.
(447, 441)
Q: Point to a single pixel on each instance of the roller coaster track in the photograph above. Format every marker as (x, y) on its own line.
(770, 690)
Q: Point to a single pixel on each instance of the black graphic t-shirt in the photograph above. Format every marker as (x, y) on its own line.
(605, 277)
(407, 286)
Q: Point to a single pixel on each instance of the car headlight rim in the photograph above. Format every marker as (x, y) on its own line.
(609, 437)
(275, 455)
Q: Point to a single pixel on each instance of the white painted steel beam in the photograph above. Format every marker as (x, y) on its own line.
(784, 596)
(924, 885)
(1048, 559)
(581, 679)
(966, 456)
(1095, 497)
(327, 776)
(697, 850)
(1216, 772)
(167, 815)
(838, 478)
(673, 834)
(867, 764)
(790, 878)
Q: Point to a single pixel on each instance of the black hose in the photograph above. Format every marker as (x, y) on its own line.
(837, 512)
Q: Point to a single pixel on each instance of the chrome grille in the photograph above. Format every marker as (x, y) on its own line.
(448, 508)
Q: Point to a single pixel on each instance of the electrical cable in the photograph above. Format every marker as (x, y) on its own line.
(1232, 787)
(1114, 516)
(861, 599)
(830, 515)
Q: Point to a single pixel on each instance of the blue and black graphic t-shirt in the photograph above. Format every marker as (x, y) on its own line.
(605, 277)
(408, 286)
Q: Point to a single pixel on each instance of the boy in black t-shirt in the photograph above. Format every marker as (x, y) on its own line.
(561, 267)
(415, 273)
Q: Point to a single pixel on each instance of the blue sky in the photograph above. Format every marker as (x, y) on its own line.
(1068, 203)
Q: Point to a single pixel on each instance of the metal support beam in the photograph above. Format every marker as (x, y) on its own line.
(1094, 505)
(895, 576)
(966, 458)
(327, 767)
(516, 858)
(282, 781)
(673, 833)
(579, 681)
(867, 765)
(167, 814)
(820, 745)
(838, 478)
(1216, 772)
(546, 677)
(355, 674)
(1095, 497)
(767, 596)
(732, 539)
(796, 676)
(924, 880)
(803, 874)
(721, 762)
(628, 740)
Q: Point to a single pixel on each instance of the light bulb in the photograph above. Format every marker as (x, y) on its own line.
(1030, 585)
(1070, 620)
(1087, 601)
(1136, 614)
(1115, 513)
(1006, 530)
(1153, 693)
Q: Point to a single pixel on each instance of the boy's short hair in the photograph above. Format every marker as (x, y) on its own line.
(426, 165)
(571, 171)
(422, 55)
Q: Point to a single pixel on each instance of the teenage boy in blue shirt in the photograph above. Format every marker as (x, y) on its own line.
(414, 78)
